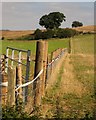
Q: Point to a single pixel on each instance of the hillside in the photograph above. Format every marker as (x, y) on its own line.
(8, 34)
(85, 29)
(14, 34)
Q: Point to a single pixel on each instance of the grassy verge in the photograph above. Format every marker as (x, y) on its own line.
(84, 73)
(83, 63)
(52, 98)
(70, 105)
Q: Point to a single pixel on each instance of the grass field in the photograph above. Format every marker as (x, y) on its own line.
(31, 45)
(72, 95)
(83, 44)
(82, 59)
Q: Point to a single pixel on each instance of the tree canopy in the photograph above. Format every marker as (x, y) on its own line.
(77, 24)
(52, 20)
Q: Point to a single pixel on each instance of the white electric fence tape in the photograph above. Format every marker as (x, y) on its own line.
(5, 84)
(57, 57)
(28, 83)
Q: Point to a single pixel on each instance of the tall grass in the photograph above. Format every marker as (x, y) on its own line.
(83, 44)
(83, 63)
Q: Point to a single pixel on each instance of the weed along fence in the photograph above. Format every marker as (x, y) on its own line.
(16, 85)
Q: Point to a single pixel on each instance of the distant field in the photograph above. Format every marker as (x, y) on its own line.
(8, 34)
(90, 28)
(31, 45)
(14, 34)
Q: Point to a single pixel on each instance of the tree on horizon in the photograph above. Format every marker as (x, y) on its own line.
(52, 21)
(76, 24)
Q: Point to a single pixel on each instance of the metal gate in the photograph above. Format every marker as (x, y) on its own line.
(10, 55)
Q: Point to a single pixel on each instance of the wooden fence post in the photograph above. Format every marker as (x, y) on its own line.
(44, 66)
(11, 85)
(48, 69)
(69, 45)
(51, 68)
(2, 63)
(0, 92)
(4, 89)
(38, 68)
(19, 79)
(53, 58)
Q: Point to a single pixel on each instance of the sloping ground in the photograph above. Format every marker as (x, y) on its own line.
(14, 34)
(8, 34)
(85, 29)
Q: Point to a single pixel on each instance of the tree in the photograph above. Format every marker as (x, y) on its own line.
(52, 20)
(65, 33)
(77, 24)
(38, 34)
(47, 34)
(2, 38)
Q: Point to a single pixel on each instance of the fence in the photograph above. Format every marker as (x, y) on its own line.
(10, 59)
(55, 56)
(44, 67)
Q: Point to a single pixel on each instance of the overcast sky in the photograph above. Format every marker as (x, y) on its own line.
(26, 15)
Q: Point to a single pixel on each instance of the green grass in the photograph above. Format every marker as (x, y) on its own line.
(50, 96)
(82, 60)
(0, 47)
(77, 106)
(31, 45)
(58, 43)
(84, 64)
(27, 45)
(83, 44)
(84, 73)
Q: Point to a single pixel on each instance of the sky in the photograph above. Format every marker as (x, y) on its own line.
(48, 0)
(25, 15)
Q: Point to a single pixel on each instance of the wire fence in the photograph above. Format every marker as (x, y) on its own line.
(29, 83)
